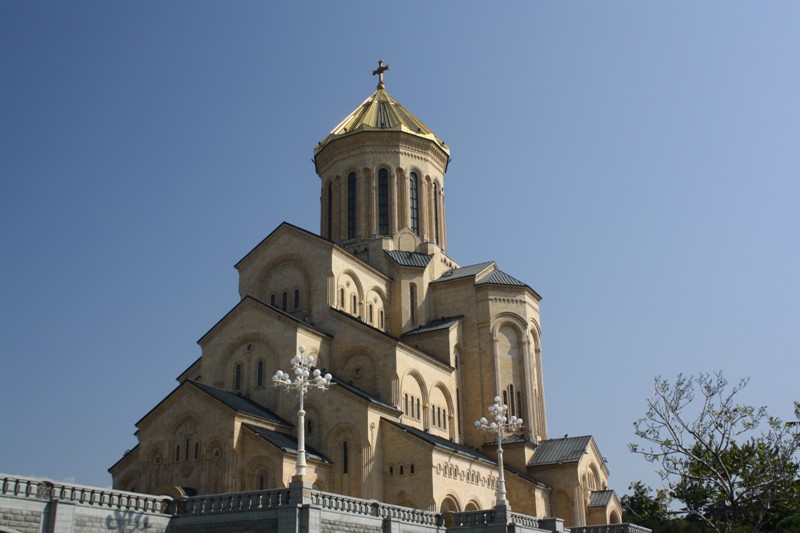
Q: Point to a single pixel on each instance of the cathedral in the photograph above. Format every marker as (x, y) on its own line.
(417, 344)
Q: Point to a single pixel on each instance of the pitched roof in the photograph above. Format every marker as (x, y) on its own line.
(339, 382)
(409, 259)
(448, 445)
(458, 449)
(273, 308)
(358, 320)
(285, 442)
(600, 498)
(381, 112)
(566, 450)
(498, 277)
(434, 325)
(240, 404)
(463, 272)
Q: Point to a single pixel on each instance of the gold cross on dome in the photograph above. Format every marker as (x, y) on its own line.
(379, 72)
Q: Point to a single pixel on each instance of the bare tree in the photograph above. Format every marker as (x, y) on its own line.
(732, 465)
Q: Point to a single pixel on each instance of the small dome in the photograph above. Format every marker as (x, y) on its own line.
(381, 112)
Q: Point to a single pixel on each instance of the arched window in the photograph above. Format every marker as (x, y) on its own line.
(513, 406)
(436, 213)
(341, 298)
(401, 470)
(330, 211)
(519, 404)
(262, 482)
(345, 458)
(177, 453)
(411, 468)
(260, 374)
(383, 201)
(353, 304)
(186, 451)
(380, 319)
(272, 300)
(297, 298)
(412, 407)
(369, 310)
(405, 410)
(285, 301)
(413, 189)
(419, 413)
(412, 302)
(351, 205)
(197, 451)
(237, 377)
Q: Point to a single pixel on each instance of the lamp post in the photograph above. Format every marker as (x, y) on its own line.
(501, 425)
(305, 378)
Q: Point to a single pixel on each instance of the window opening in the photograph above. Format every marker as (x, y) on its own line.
(330, 211)
(351, 205)
(345, 458)
(383, 201)
(296, 298)
(285, 301)
(197, 451)
(260, 374)
(412, 303)
(414, 197)
(237, 377)
(436, 212)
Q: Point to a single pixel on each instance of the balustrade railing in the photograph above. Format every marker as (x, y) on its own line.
(611, 528)
(234, 502)
(91, 496)
(525, 520)
(470, 518)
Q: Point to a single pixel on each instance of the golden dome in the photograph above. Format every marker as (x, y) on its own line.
(381, 112)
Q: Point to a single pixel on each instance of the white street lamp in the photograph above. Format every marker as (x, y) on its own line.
(305, 378)
(501, 425)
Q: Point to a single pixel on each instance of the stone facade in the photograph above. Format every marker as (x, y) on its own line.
(418, 345)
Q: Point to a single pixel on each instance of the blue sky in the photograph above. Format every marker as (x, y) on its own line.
(637, 163)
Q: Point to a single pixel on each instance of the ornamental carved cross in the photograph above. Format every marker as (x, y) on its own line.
(379, 72)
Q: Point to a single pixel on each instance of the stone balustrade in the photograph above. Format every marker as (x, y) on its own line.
(525, 520)
(27, 502)
(24, 487)
(610, 528)
(234, 502)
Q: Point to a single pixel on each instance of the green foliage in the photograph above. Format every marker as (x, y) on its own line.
(790, 524)
(732, 466)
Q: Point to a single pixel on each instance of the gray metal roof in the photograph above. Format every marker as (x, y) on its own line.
(439, 442)
(498, 277)
(434, 325)
(285, 442)
(240, 404)
(339, 382)
(459, 449)
(566, 450)
(409, 259)
(600, 498)
(463, 272)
